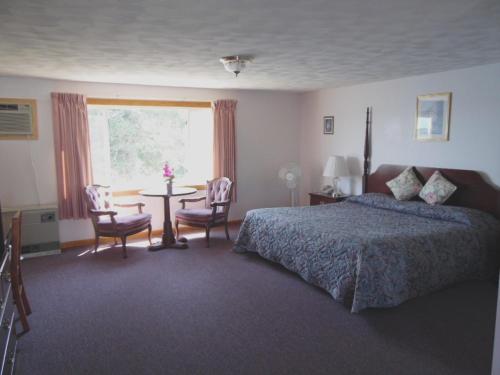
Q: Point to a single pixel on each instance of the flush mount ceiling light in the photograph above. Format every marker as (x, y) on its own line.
(235, 64)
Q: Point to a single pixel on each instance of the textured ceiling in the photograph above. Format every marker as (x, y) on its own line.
(298, 45)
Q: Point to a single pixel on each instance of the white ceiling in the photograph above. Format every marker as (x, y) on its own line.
(298, 45)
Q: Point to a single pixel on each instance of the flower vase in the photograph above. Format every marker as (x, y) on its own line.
(169, 186)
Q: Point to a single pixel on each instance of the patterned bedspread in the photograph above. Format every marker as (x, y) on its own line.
(374, 251)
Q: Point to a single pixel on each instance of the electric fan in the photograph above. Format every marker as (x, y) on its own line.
(290, 173)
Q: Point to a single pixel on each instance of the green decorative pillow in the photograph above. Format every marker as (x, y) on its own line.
(406, 185)
(437, 190)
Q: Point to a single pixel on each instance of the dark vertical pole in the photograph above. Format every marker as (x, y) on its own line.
(168, 235)
(366, 164)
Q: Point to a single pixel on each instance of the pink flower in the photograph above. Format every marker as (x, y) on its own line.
(168, 171)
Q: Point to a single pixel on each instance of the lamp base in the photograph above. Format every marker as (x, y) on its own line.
(336, 191)
(337, 194)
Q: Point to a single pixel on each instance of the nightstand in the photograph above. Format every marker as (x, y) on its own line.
(321, 198)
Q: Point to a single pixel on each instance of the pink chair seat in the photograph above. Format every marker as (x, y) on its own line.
(124, 222)
(201, 215)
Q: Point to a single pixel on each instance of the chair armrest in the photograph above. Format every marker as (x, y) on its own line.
(190, 200)
(139, 205)
(216, 204)
(97, 213)
(102, 213)
(220, 204)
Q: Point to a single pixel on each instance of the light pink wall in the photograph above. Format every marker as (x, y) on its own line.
(267, 137)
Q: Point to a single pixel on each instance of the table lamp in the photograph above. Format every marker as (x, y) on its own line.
(335, 168)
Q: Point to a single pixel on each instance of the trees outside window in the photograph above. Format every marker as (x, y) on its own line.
(130, 145)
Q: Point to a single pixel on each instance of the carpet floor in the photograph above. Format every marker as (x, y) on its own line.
(211, 311)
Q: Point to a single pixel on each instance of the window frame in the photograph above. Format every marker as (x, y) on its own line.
(148, 103)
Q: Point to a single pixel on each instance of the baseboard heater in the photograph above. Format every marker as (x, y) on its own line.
(39, 229)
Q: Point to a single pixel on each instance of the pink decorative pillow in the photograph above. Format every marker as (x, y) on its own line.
(437, 190)
(406, 185)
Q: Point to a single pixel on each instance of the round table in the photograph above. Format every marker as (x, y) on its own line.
(168, 240)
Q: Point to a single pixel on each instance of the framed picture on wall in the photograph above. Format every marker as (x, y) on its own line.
(328, 125)
(433, 117)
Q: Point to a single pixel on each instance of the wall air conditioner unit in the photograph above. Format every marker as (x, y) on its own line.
(39, 229)
(18, 119)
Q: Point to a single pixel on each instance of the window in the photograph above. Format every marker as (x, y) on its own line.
(130, 143)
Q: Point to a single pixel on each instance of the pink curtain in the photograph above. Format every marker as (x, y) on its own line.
(225, 141)
(72, 148)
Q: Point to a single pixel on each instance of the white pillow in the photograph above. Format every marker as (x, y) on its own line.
(406, 185)
(437, 190)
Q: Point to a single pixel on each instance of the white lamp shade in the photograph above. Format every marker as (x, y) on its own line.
(336, 167)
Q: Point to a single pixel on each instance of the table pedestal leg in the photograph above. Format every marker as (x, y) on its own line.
(167, 240)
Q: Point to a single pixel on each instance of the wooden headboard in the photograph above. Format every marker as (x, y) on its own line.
(473, 190)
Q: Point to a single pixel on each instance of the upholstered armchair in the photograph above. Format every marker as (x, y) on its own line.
(215, 212)
(108, 223)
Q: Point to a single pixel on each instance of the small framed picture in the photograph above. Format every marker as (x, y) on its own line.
(328, 125)
(433, 117)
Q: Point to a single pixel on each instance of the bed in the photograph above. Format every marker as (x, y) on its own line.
(374, 251)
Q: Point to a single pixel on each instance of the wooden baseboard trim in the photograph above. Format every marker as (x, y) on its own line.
(139, 236)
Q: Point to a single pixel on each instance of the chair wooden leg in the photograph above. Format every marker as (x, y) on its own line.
(96, 245)
(207, 234)
(149, 234)
(124, 246)
(21, 309)
(26, 303)
(227, 231)
(23, 317)
(116, 241)
(177, 236)
(24, 297)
